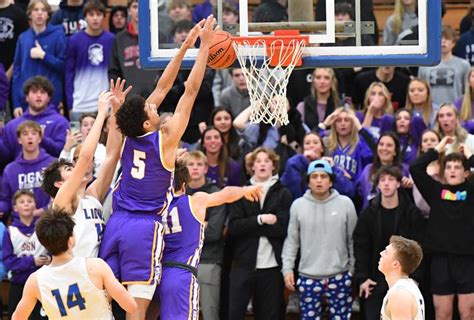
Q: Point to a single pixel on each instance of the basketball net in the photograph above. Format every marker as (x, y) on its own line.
(267, 79)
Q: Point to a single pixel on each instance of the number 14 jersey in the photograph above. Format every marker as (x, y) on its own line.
(67, 292)
(145, 179)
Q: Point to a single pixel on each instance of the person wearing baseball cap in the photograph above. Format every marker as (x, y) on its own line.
(321, 225)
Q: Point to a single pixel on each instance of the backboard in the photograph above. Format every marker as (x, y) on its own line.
(334, 41)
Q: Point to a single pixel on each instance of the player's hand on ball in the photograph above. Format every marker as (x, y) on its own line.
(207, 32)
(253, 193)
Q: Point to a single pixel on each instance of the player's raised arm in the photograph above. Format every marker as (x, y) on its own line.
(165, 83)
(98, 189)
(114, 288)
(201, 200)
(28, 300)
(67, 192)
(174, 128)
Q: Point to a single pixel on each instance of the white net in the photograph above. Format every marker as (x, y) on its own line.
(267, 79)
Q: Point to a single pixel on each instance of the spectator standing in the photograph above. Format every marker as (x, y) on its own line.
(14, 21)
(125, 60)
(448, 232)
(389, 213)
(448, 78)
(395, 81)
(464, 46)
(70, 16)
(465, 103)
(25, 172)
(321, 226)
(221, 118)
(38, 91)
(258, 231)
(4, 93)
(404, 17)
(23, 254)
(87, 59)
(41, 51)
(420, 101)
(209, 271)
(118, 19)
(409, 128)
(324, 98)
(236, 96)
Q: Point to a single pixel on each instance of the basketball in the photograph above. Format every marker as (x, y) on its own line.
(221, 52)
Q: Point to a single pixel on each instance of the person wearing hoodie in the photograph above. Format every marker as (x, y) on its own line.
(258, 231)
(118, 19)
(25, 172)
(38, 91)
(23, 254)
(209, 270)
(125, 61)
(391, 212)
(41, 51)
(321, 227)
(70, 16)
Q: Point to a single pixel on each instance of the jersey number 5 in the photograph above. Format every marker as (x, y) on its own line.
(74, 299)
(138, 171)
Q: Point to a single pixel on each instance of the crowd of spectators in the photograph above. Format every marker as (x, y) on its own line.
(368, 153)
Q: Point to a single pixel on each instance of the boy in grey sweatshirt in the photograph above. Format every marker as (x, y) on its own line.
(321, 225)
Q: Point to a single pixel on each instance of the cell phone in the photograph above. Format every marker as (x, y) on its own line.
(75, 126)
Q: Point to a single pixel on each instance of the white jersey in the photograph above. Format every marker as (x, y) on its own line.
(410, 286)
(89, 227)
(25, 245)
(67, 292)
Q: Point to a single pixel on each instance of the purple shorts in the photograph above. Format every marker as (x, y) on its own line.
(179, 295)
(132, 246)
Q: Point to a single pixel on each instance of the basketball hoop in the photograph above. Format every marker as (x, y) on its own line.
(267, 78)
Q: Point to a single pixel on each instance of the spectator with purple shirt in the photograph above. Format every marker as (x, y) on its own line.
(465, 104)
(25, 172)
(377, 111)
(409, 128)
(351, 146)
(87, 59)
(222, 170)
(38, 91)
(40, 51)
(4, 89)
(23, 254)
(388, 153)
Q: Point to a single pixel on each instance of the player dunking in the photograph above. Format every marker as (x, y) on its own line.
(67, 183)
(148, 158)
(70, 287)
(184, 223)
(403, 299)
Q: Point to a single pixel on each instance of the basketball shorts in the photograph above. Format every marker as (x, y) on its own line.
(179, 295)
(132, 246)
(452, 274)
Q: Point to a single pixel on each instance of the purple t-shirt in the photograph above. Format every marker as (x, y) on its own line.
(232, 174)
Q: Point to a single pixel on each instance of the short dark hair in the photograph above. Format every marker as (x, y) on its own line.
(53, 230)
(408, 253)
(181, 174)
(38, 82)
(389, 170)
(93, 5)
(182, 25)
(270, 11)
(52, 174)
(23, 192)
(131, 116)
(457, 157)
(343, 8)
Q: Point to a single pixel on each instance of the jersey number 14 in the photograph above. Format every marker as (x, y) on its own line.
(74, 299)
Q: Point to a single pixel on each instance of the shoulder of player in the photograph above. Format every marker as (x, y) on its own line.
(401, 298)
(32, 285)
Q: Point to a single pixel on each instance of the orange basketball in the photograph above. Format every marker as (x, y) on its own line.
(221, 52)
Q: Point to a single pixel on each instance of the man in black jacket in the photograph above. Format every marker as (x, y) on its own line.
(258, 231)
(449, 232)
(390, 213)
(209, 271)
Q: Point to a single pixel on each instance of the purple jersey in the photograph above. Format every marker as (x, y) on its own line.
(145, 181)
(184, 234)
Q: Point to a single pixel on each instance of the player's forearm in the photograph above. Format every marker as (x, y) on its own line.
(226, 195)
(90, 143)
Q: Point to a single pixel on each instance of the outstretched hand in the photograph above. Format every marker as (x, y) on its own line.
(105, 99)
(207, 31)
(119, 95)
(253, 193)
(193, 35)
